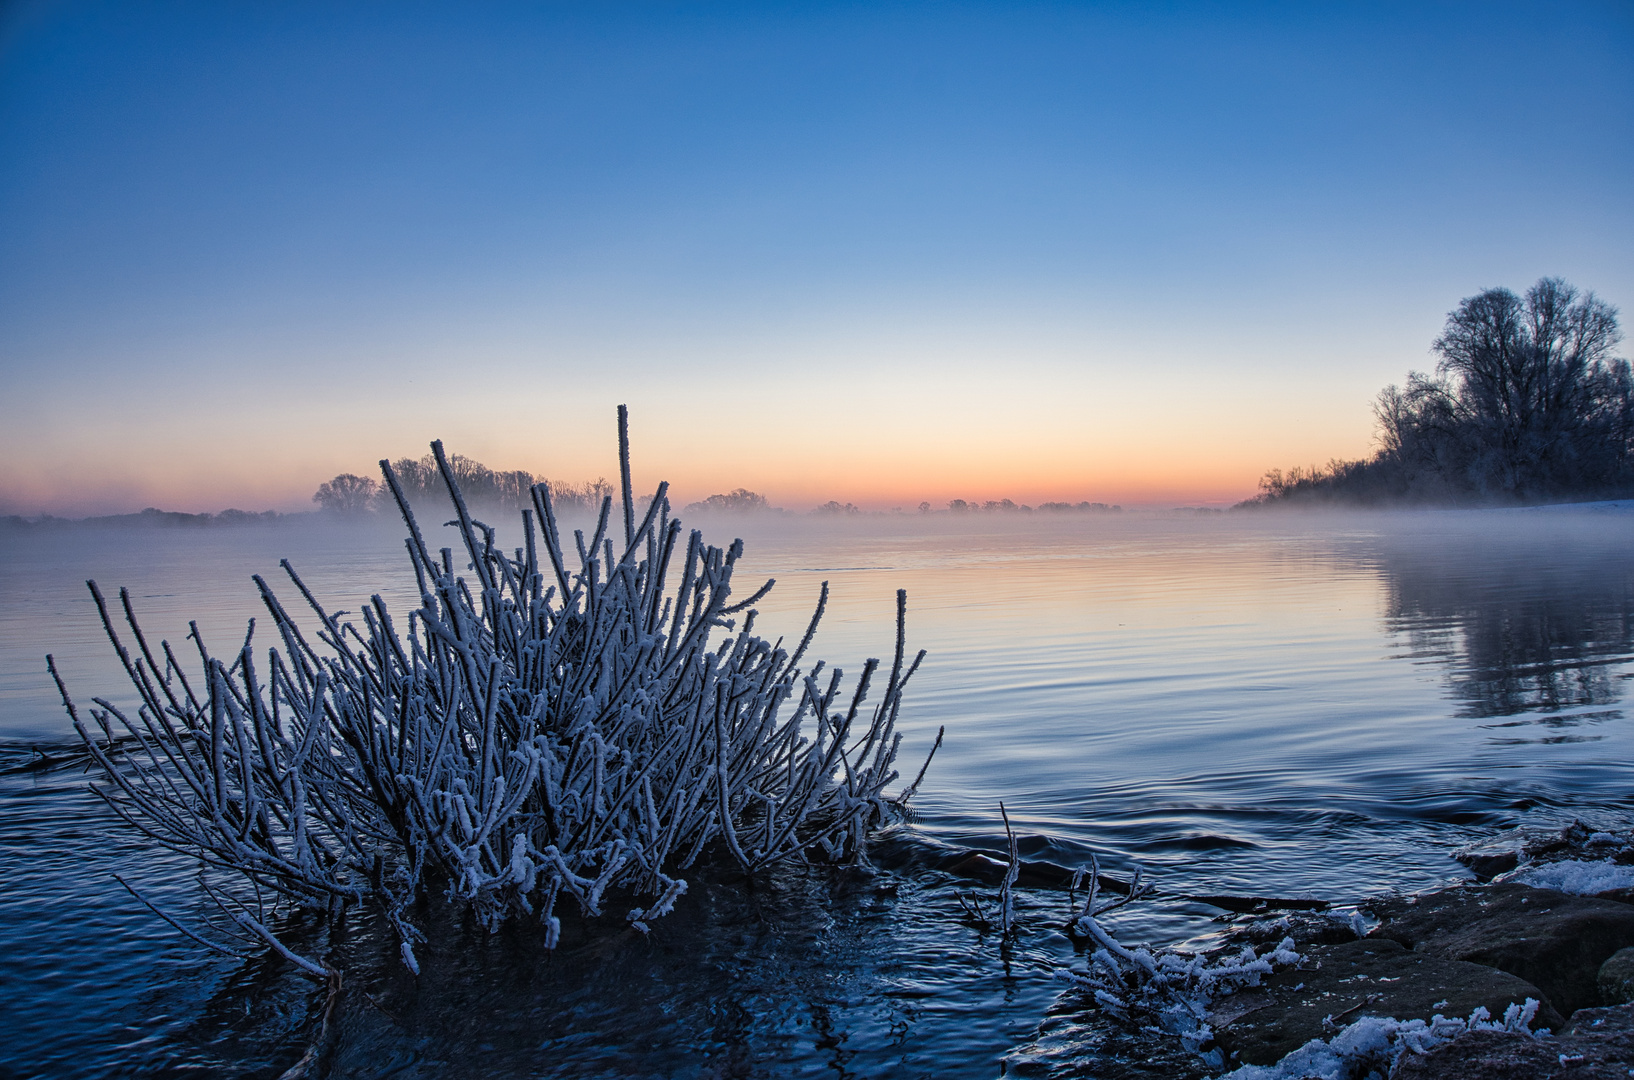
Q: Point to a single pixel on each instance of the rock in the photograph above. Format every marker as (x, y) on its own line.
(1598, 1044)
(1304, 928)
(1037, 874)
(1492, 1055)
(1493, 857)
(1554, 941)
(1507, 851)
(1617, 978)
(1370, 977)
(1569, 839)
(1614, 1023)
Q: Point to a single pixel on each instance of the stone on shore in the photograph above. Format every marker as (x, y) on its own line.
(1492, 857)
(1507, 851)
(1598, 1044)
(1617, 978)
(1555, 941)
(1371, 977)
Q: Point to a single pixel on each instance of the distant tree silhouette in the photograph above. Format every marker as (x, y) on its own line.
(347, 493)
(739, 501)
(245, 517)
(422, 481)
(1080, 507)
(586, 496)
(1009, 506)
(1527, 403)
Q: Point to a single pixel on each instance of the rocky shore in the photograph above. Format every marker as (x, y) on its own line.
(1559, 958)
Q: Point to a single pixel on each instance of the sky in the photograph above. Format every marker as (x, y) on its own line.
(879, 253)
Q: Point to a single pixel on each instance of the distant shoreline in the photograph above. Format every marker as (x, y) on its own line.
(1601, 506)
(154, 518)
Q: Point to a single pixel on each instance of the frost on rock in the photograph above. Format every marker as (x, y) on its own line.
(1580, 877)
(1369, 1048)
(539, 725)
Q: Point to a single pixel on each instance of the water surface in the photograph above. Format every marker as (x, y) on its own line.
(1261, 704)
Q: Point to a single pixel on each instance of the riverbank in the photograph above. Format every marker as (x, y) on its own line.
(1523, 972)
(1603, 506)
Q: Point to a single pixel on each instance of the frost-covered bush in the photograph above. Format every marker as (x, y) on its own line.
(534, 727)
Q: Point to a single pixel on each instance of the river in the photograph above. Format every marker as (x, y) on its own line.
(1272, 704)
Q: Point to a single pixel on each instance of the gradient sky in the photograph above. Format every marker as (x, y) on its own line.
(876, 252)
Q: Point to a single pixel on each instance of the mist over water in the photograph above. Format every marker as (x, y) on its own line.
(1270, 704)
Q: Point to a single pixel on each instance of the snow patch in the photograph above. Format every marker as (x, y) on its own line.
(1580, 877)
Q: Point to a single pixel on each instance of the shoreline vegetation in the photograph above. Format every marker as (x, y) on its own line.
(544, 727)
(1527, 406)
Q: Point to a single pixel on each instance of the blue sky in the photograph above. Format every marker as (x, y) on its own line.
(869, 252)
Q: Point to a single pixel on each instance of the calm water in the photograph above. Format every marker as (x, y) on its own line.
(1311, 706)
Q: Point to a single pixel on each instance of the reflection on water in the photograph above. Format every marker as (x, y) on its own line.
(1271, 704)
(1525, 632)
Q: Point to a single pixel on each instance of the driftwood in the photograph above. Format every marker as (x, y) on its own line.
(546, 721)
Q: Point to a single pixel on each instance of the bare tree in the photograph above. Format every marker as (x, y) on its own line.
(1528, 402)
(346, 494)
(1523, 374)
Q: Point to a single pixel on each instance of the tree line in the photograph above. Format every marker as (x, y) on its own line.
(1528, 403)
(1007, 506)
(422, 481)
(493, 489)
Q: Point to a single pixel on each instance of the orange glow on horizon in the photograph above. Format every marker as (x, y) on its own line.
(789, 483)
(1199, 439)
